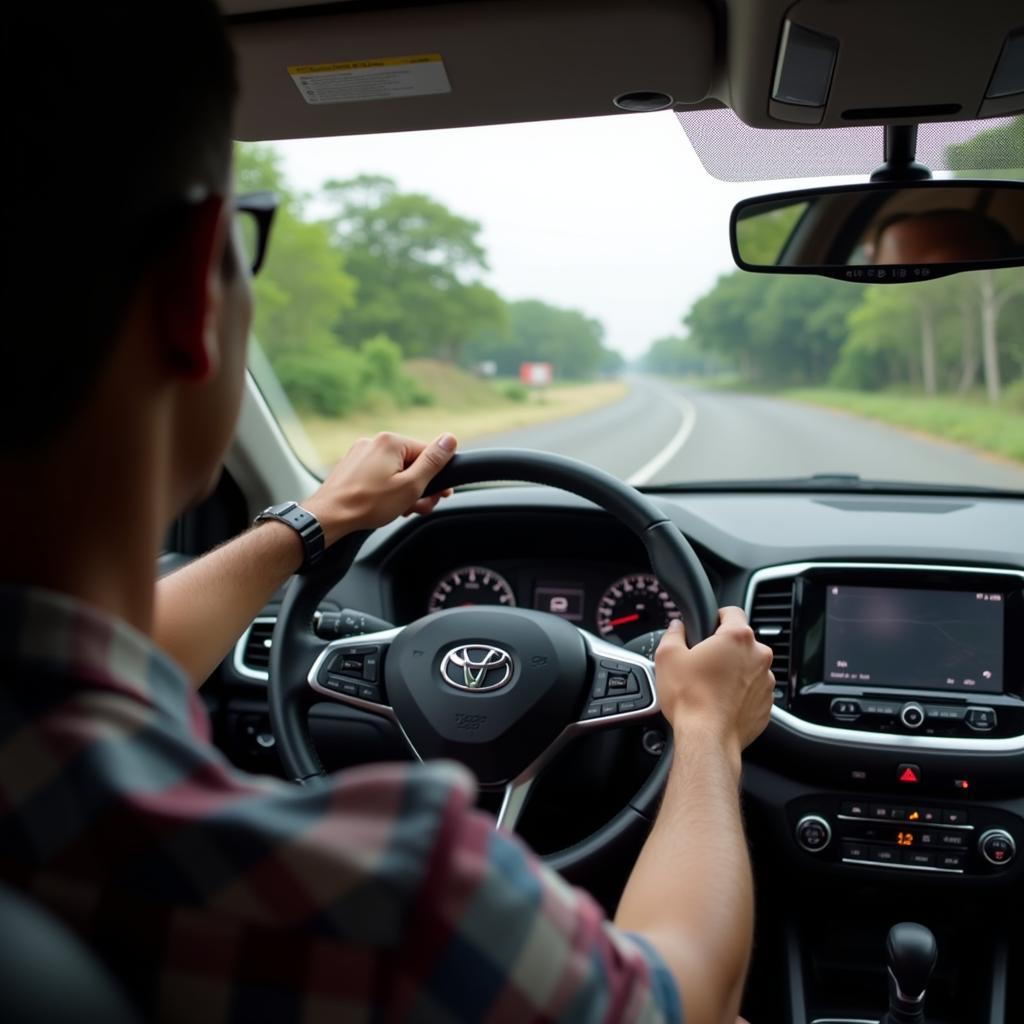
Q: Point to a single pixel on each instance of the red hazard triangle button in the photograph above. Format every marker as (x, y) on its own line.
(908, 773)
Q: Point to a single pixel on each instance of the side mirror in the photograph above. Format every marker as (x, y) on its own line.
(881, 232)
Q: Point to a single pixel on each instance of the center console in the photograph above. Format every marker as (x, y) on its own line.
(921, 668)
(891, 786)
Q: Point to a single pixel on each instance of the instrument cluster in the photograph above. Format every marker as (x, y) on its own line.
(616, 607)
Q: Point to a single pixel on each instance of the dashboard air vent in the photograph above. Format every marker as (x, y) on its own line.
(253, 653)
(771, 617)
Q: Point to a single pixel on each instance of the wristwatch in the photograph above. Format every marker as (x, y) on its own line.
(305, 524)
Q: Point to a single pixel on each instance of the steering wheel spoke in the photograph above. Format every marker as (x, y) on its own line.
(621, 689)
(351, 671)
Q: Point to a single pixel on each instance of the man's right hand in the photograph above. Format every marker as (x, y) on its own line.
(723, 684)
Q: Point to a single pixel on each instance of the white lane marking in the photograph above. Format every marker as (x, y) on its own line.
(688, 420)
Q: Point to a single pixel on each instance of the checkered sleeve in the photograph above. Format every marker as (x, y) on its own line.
(497, 936)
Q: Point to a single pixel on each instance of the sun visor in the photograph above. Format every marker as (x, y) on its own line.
(365, 71)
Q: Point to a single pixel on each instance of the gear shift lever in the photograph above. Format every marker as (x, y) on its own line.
(911, 951)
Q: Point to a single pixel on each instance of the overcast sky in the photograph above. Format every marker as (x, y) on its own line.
(614, 216)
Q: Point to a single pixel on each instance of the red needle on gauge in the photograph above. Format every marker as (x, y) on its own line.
(623, 619)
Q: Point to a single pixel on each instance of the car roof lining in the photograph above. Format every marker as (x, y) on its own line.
(511, 61)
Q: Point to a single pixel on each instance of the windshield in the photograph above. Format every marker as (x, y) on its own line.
(569, 286)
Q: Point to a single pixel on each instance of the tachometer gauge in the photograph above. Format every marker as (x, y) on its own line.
(472, 584)
(633, 606)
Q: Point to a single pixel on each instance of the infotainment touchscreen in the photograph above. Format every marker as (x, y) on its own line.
(914, 639)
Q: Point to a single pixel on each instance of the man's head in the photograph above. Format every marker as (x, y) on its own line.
(941, 236)
(125, 295)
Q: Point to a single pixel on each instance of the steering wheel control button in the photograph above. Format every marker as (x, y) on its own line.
(997, 847)
(981, 719)
(908, 774)
(813, 833)
(593, 710)
(845, 710)
(912, 715)
(617, 684)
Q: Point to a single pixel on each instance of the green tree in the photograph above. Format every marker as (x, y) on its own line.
(784, 329)
(719, 321)
(303, 290)
(881, 348)
(996, 152)
(762, 236)
(417, 265)
(679, 356)
(538, 332)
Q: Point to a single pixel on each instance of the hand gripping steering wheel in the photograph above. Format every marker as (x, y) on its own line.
(500, 689)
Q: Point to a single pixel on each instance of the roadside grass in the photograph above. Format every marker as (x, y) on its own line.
(464, 405)
(968, 421)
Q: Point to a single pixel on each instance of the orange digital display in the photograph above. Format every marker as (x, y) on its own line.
(904, 838)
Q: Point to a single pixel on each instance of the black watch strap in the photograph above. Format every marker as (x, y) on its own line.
(305, 524)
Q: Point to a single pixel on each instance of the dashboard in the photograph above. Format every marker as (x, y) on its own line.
(896, 745)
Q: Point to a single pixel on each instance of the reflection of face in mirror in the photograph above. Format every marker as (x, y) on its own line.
(941, 236)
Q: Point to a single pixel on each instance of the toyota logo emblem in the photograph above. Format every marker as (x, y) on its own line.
(476, 667)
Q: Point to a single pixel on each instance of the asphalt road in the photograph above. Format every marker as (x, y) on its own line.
(662, 433)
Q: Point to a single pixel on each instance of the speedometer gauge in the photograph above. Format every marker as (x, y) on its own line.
(472, 584)
(633, 606)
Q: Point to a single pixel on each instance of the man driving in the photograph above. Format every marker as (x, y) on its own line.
(941, 236)
(213, 895)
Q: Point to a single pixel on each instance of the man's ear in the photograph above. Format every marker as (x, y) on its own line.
(191, 290)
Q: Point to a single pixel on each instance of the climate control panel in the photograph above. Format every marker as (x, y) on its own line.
(930, 838)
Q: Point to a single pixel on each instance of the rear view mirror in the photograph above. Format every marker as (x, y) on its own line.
(882, 232)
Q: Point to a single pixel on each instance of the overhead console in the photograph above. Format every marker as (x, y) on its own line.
(875, 62)
(932, 653)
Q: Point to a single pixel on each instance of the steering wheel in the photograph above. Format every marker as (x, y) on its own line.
(500, 689)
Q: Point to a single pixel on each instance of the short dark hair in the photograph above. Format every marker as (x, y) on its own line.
(977, 226)
(118, 109)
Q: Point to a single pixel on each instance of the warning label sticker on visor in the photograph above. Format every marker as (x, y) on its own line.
(384, 78)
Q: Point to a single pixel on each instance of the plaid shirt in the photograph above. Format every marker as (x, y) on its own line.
(382, 895)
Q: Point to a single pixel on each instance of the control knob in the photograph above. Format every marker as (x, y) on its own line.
(997, 847)
(912, 715)
(813, 833)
